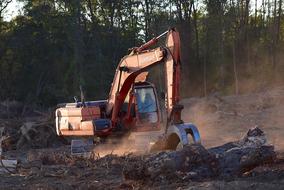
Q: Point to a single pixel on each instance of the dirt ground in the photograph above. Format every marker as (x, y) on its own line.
(220, 119)
(107, 173)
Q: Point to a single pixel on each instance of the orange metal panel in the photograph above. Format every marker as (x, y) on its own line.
(87, 126)
(77, 133)
(89, 113)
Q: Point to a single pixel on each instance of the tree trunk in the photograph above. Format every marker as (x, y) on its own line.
(247, 31)
(276, 29)
(78, 45)
(205, 73)
(196, 32)
(235, 69)
(255, 12)
(147, 19)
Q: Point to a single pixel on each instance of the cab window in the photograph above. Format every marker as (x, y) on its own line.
(146, 100)
(146, 105)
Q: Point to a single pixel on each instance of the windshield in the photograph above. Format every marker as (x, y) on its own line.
(146, 100)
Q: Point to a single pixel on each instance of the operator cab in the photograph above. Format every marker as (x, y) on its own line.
(146, 107)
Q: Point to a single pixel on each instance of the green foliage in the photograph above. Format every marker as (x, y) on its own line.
(58, 45)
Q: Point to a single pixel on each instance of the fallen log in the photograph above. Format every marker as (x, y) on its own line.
(8, 166)
(235, 158)
(231, 159)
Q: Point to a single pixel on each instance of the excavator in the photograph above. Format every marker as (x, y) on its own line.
(133, 105)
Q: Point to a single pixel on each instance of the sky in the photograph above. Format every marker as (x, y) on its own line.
(14, 9)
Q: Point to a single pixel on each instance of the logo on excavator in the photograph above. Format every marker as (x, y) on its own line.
(146, 60)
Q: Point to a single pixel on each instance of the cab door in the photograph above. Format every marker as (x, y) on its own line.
(147, 108)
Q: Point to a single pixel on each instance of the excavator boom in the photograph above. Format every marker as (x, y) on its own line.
(140, 61)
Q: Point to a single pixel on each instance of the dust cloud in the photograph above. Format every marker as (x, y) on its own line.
(129, 144)
(221, 119)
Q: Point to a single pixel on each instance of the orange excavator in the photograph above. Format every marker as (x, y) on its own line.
(133, 103)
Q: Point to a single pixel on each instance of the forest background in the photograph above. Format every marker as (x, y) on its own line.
(54, 46)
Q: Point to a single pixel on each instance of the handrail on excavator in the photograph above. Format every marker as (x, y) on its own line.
(149, 43)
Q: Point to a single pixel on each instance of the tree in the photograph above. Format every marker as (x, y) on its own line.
(58, 45)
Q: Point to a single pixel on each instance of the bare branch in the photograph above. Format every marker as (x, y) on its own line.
(3, 5)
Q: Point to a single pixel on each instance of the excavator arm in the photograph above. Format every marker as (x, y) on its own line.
(137, 63)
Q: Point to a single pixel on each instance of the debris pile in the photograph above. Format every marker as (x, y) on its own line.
(56, 166)
(33, 131)
(26, 135)
(195, 162)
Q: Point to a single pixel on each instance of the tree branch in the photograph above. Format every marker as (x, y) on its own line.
(4, 5)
